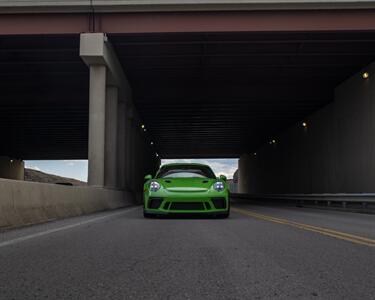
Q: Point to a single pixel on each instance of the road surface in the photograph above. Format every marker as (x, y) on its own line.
(258, 253)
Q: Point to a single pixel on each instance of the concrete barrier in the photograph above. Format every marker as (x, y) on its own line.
(24, 203)
(362, 202)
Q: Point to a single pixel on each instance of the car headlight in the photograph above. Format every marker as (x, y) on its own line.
(154, 186)
(219, 186)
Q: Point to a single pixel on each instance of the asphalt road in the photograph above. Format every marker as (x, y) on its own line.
(258, 253)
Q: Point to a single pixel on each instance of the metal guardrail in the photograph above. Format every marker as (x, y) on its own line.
(364, 199)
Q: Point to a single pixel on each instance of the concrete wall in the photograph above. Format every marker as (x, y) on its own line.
(12, 168)
(23, 203)
(335, 153)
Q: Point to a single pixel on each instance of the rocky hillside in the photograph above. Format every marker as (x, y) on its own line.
(37, 176)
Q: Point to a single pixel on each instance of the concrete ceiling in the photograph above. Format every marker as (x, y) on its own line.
(200, 95)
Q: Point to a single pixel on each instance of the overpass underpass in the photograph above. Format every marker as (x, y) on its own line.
(210, 94)
(200, 85)
(200, 95)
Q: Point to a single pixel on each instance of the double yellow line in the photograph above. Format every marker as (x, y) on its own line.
(325, 231)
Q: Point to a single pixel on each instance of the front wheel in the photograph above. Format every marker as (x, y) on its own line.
(147, 215)
(226, 214)
(223, 216)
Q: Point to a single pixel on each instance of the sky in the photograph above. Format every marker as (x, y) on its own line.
(77, 169)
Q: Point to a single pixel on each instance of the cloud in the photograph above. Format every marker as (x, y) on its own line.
(75, 161)
(33, 167)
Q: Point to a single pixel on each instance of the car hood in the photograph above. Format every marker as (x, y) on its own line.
(187, 184)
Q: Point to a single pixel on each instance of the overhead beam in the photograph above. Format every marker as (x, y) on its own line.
(159, 22)
(99, 6)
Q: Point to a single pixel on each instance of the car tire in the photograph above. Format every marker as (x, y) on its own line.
(147, 215)
(224, 215)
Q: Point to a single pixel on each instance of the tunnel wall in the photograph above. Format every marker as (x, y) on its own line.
(24, 203)
(335, 153)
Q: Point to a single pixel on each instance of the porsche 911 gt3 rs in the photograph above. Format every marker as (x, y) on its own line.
(186, 189)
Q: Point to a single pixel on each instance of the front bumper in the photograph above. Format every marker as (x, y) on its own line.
(188, 203)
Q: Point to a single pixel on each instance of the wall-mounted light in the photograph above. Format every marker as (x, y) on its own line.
(304, 124)
(157, 155)
(151, 143)
(144, 129)
(142, 126)
(255, 154)
(365, 75)
(273, 142)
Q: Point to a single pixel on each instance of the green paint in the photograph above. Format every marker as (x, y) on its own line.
(178, 195)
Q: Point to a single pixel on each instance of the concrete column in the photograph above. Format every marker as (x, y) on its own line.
(135, 155)
(128, 145)
(121, 152)
(111, 137)
(96, 155)
(139, 155)
(12, 168)
(244, 174)
(131, 157)
(141, 145)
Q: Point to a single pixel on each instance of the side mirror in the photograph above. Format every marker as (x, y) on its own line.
(223, 178)
(148, 177)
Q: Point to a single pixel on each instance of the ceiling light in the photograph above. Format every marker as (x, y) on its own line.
(304, 124)
(365, 75)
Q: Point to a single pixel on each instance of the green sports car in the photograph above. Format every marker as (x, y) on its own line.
(186, 189)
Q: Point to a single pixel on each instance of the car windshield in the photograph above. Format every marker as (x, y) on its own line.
(186, 172)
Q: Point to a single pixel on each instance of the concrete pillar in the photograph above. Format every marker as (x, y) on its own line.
(136, 155)
(105, 69)
(128, 145)
(12, 168)
(111, 137)
(96, 155)
(130, 168)
(139, 161)
(121, 152)
(244, 174)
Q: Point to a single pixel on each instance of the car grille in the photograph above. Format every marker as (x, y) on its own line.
(219, 203)
(187, 206)
(166, 205)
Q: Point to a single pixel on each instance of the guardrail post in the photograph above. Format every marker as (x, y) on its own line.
(328, 203)
(343, 204)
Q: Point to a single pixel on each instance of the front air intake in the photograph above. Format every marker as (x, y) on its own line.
(187, 206)
(219, 203)
(154, 203)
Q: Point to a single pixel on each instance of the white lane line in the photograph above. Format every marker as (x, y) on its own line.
(39, 234)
